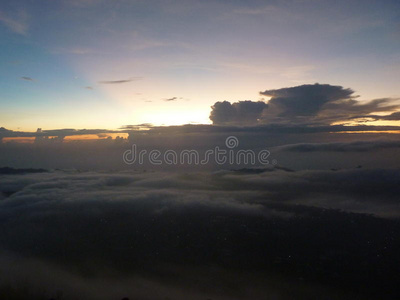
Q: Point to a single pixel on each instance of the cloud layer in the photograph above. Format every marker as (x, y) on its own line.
(292, 231)
(358, 146)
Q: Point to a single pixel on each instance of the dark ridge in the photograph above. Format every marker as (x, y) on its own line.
(283, 169)
(252, 170)
(261, 170)
(12, 171)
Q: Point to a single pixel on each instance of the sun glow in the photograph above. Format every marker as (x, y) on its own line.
(162, 118)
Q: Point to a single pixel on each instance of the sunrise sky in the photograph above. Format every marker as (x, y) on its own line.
(106, 64)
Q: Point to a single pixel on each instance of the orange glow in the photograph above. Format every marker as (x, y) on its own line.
(87, 137)
(368, 122)
(25, 140)
(371, 131)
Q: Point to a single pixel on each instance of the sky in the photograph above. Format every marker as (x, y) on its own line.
(106, 64)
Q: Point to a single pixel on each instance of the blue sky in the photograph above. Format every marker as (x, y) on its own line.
(198, 52)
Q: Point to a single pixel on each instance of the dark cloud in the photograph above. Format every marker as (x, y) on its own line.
(316, 104)
(391, 117)
(320, 104)
(120, 81)
(27, 78)
(351, 110)
(241, 112)
(305, 100)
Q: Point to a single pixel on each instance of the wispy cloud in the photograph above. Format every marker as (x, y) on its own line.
(27, 78)
(120, 81)
(171, 99)
(256, 11)
(82, 3)
(75, 51)
(16, 22)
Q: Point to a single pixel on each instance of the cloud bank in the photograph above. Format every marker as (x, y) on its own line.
(316, 104)
(242, 112)
(218, 235)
